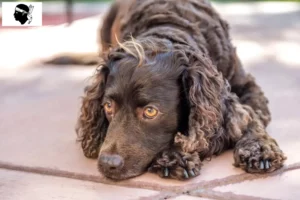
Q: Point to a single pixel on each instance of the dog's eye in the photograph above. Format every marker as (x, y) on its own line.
(150, 112)
(108, 107)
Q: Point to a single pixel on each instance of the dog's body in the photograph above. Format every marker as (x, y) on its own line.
(173, 96)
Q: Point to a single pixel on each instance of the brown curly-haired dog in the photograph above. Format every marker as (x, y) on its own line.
(171, 93)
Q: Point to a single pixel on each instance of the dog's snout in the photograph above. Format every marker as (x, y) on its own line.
(111, 161)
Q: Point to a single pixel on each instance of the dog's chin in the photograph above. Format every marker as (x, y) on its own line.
(121, 176)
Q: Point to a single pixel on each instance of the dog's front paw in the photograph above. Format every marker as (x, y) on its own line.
(172, 164)
(258, 156)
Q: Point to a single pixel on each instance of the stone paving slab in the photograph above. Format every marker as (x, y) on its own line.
(284, 186)
(26, 186)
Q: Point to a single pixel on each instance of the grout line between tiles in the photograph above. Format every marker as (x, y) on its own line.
(179, 190)
(212, 194)
(160, 196)
(238, 178)
(83, 177)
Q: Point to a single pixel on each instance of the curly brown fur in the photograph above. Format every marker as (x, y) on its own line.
(92, 123)
(183, 64)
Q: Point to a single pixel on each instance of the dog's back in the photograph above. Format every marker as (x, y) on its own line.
(191, 22)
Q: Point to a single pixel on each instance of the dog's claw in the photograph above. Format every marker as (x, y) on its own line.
(250, 164)
(267, 164)
(185, 173)
(192, 173)
(166, 172)
(261, 166)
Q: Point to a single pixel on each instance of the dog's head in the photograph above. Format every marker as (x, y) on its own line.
(142, 95)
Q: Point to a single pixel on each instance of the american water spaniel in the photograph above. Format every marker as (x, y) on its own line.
(171, 92)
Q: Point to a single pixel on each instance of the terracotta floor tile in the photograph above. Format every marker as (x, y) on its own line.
(26, 186)
(285, 186)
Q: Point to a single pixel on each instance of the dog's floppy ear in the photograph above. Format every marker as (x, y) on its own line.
(203, 85)
(92, 124)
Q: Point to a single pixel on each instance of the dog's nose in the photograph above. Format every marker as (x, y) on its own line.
(111, 161)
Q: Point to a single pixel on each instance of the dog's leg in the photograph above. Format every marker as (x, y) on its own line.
(174, 163)
(249, 93)
(255, 151)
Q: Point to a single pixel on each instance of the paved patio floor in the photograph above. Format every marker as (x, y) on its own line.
(40, 159)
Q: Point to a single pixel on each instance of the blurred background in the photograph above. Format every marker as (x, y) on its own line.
(253, 20)
(84, 8)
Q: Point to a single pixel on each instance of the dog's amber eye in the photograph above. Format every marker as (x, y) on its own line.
(150, 112)
(108, 107)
